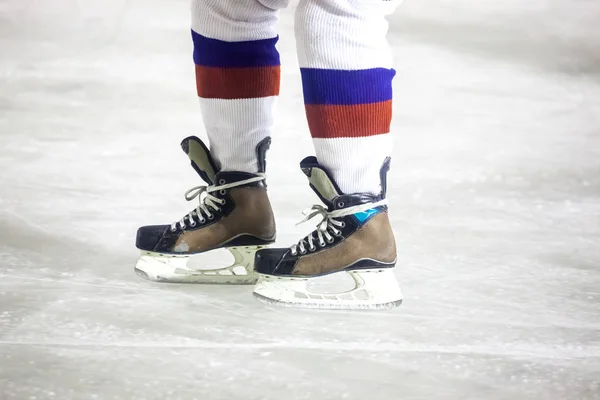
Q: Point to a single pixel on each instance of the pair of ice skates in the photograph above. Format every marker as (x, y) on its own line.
(234, 213)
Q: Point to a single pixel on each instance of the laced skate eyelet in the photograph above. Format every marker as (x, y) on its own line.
(221, 181)
(202, 220)
(222, 192)
(337, 233)
(330, 240)
(211, 217)
(173, 229)
(183, 226)
(192, 224)
(312, 248)
(341, 204)
(322, 244)
(223, 201)
(303, 252)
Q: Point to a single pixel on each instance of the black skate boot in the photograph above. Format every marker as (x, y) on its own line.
(234, 213)
(355, 237)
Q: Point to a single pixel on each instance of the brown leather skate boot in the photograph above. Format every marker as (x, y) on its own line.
(234, 213)
(355, 237)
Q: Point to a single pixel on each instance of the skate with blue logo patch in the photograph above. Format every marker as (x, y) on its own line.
(354, 237)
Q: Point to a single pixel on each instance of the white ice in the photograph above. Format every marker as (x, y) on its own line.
(495, 201)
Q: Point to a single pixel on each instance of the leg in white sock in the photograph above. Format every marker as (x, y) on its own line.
(346, 71)
(237, 75)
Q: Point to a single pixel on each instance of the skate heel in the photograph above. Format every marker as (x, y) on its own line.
(374, 289)
(174, 268)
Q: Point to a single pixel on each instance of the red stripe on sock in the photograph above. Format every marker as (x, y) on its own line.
(359, 120)
(237, 83)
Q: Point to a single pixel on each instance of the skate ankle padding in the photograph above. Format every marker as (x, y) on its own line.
(200, 158)
(320, 180)
(261, 154)
(325, 186)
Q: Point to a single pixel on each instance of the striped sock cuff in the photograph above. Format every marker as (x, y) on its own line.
(236, 70)
(348, 103)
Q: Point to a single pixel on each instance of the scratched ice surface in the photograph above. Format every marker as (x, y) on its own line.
(494, 192)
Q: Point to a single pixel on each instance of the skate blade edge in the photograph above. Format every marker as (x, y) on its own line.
(374, 289)
(329, 306)
(165, 268)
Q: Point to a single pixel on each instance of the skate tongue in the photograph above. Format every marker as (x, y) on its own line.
(320, 180)
(200, 158)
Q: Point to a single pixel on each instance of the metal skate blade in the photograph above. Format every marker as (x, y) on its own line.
(200, 279)
(329, 306)
(166, 268)
(142, 274)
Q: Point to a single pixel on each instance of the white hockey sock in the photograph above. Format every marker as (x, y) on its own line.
(237, 76)
(346, 72)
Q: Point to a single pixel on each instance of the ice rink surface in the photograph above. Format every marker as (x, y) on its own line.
(494, 191)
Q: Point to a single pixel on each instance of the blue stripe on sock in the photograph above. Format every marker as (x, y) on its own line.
(329, 86)
(218, 53)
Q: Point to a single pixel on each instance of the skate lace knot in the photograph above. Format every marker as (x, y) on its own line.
(329, 225)
(208, 203)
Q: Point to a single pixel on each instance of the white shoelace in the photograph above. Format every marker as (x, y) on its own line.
(328, 226)
(208, 201)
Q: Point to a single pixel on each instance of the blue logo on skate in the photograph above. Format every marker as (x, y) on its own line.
(363, 216)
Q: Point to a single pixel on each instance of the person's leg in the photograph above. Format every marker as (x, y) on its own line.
(347, 81)
(237, 75)
(346, 67)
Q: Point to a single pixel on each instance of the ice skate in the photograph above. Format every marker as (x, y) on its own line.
(234, 213)
(355, 238)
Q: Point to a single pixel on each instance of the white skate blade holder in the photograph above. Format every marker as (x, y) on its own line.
(174, 268)
(374, 289)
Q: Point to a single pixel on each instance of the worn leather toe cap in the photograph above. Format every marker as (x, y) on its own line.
(149, 236)
(273, 262)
